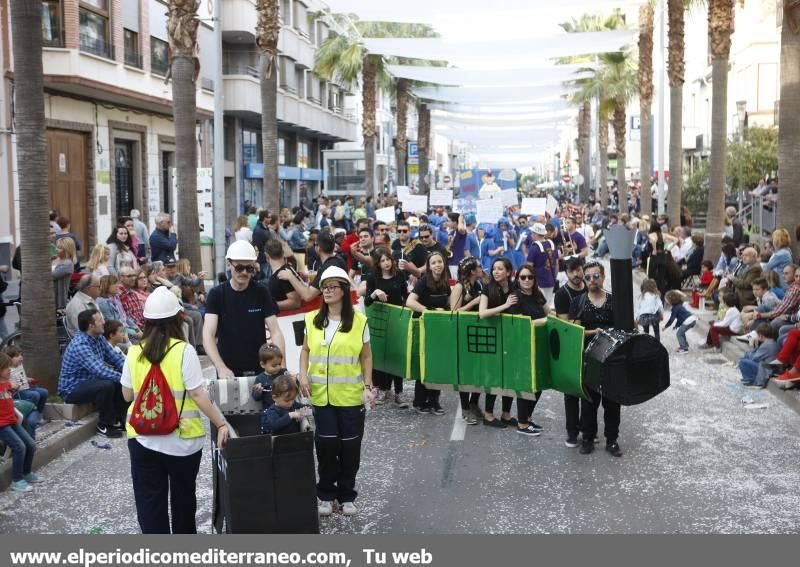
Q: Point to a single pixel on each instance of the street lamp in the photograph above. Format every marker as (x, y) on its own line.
(741, 112)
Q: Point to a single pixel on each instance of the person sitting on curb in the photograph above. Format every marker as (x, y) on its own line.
(91, 372)
(753, 365)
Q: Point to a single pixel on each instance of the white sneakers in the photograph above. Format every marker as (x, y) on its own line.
(325, 508)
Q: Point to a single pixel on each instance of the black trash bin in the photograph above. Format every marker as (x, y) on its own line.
(627, 367)
(262, 484)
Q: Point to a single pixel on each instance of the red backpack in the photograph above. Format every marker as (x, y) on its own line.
(154, 410)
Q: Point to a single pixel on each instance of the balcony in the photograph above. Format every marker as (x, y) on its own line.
(238, 17)
(96, 46)
(243, 99)
(86, 74)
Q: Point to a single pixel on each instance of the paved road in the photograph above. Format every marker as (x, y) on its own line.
(696, 460)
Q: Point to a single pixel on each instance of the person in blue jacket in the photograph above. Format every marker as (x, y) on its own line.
(683, 319)
(283, 416)
(163, 242)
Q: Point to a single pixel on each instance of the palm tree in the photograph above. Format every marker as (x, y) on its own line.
(268, 30)
(38, 311)
(603, 111)
(720, 29)
(423, 143)
(789, 131)
(401, 141)
(588, 23)
(645, 102)
(675, 70)
(182, 28)
(621, 77)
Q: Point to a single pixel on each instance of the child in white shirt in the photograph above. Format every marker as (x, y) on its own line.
(651, 308)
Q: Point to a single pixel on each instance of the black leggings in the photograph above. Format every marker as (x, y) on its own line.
(468, 399)
(383, 381)
(525, 408)
(425, 397)
(506, 403)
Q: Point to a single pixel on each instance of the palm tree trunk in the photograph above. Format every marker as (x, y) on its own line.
(789, 132)
(182, 30)
(645, 194)
(645, 101)
(720, 28)
(602, 128)
(619, 140)
(586, 164)
(675, 192)
(719, 151)
(402, 123)
(38, 310)
(269, 136)
(267, 32)
(424, 129)
(369, 99)
(675, 68)
(184, 112)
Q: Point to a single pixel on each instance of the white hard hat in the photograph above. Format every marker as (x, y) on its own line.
(538, 228)
(335, 273)
(161, 304)
(241, 250)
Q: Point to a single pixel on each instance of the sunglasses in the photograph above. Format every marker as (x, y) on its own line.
(590, 277)
(402, 231)
(525, 278)
(239, 268)
(424, 236)
(330, 288)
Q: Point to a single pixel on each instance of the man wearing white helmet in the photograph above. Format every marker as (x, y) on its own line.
(236, 312)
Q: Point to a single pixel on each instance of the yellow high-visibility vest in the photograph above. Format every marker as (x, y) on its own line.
(190, 425)
(334, 370)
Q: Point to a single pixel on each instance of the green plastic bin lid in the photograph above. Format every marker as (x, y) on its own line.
(206, 241)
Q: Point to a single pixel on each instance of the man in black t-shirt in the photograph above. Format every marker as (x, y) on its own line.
(410, 255)
(563, 299)
(594, 311)
(236, 312)
(282, 292)
(326, 245)
(429, 243)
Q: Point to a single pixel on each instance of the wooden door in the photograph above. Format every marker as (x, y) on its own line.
(66, 157)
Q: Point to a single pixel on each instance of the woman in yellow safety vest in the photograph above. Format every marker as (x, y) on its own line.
(336, 367)
(164, 467)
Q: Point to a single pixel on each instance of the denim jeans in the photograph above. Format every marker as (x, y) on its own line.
(106, 395)
(749, 369)
(22, 449)
(37, 396)
(681, 335)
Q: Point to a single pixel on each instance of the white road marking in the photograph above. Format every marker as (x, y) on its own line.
(459, 427)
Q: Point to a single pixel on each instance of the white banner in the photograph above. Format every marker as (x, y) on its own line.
(385, 214)
(415, 204)
(508, 197)
(441, 198)
(552, 205)
(402, 192)
(465, 206)
(489, 210)
(534, 207)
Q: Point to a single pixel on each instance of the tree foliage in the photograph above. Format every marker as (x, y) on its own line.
(695, 190)
(753, 159)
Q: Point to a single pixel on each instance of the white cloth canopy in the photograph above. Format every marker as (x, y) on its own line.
(536, 49)
(425, 11)
(535, 76)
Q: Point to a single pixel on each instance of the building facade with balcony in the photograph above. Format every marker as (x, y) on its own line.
(108, 105)
(312, 112)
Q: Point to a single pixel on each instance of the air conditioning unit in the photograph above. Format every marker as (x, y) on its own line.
(206, 83)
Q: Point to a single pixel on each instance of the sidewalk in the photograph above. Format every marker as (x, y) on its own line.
(732, 349)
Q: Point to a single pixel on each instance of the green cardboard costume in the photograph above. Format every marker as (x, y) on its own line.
(505, 354)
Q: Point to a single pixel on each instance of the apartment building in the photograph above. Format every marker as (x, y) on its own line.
(110, 136)
(313, 113)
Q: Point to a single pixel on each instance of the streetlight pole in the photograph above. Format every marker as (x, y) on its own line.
(219, 147)
(661, 103)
